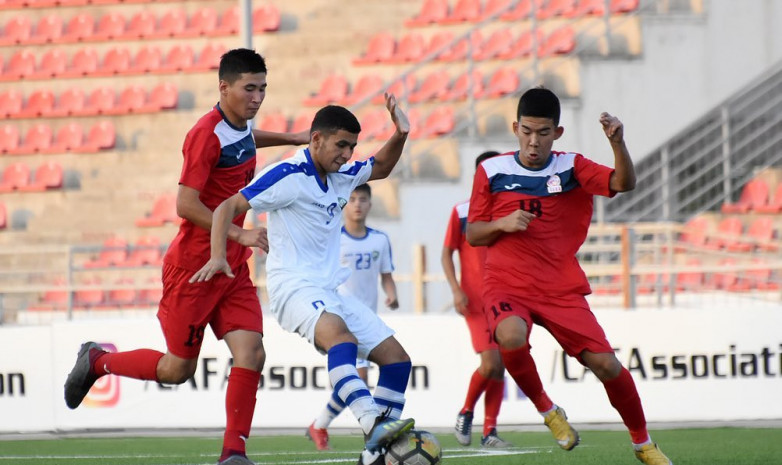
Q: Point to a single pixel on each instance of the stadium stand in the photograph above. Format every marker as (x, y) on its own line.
(463, 11)
(380, 49)
(114, 252)
(15, 176)
(753, 195)
(3, 216)
(163, 211)
(432, 11)
(49, 175)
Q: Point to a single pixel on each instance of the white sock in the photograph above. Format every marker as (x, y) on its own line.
(543, 414)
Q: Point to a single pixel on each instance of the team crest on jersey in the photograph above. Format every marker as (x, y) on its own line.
(554, 184)
(375, 255)
(342, 202)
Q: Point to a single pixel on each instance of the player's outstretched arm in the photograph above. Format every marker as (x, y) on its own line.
(388, 155)
(221, 222)
(273, 139)
(623, 178)
(486, 232)
(389, 288)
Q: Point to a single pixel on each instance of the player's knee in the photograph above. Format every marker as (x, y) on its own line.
(604, 366)
(176, 374)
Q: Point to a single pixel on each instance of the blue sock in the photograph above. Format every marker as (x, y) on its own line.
(349, 387)
(391, 386)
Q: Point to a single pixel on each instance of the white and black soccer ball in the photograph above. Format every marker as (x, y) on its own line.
(417, 447)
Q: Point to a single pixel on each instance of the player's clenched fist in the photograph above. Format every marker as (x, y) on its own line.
(613, 128)
(516, 221)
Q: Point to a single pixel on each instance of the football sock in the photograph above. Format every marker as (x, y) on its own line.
(349, 387)
(333, 408)
(138, 364)
(477, 385)
(391, 386)
(624, 397)
(523, 370)
(492, 401)
(239, 409)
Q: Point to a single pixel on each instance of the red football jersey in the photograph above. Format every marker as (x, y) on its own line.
(219, 160)
(542, 259)
(471, 258)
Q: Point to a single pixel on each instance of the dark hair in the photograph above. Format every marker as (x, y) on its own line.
(332, 118)
(364, 188)
(539, 102)
(484, 156)
(238, 61)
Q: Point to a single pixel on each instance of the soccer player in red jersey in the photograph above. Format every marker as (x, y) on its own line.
(219, 159)
(532, 208)
(489, 377)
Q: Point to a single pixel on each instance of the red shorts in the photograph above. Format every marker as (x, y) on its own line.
(568, 318)
(223, 303)
(479, 329)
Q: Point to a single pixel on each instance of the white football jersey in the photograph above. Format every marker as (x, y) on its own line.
(366, 257)
(304, 221)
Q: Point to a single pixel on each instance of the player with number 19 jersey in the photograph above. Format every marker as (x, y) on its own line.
(542, 260)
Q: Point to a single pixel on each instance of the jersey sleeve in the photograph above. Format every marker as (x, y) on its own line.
(480, 199)
(386, 257)
(593, 177)
(353, 175)
(202, 152)
(272, 188)
(453, 233)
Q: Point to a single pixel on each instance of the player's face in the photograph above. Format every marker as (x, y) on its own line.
(331, 151)
(358, 206)
(241, 99)
(536, 137)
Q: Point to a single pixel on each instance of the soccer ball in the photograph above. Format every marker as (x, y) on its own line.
(417, 447)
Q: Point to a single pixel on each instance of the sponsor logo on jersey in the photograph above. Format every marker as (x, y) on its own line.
(554, 184)
(515, 185)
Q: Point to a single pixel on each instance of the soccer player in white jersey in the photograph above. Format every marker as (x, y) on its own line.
(304, 196)
(367, 253)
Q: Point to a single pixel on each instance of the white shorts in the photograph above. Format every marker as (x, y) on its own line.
(362, 363)
(301, 311)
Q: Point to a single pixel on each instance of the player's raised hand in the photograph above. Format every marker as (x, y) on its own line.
(212, 267)
(254, 238)
(397, 115)
(613, 128)
(517, 221)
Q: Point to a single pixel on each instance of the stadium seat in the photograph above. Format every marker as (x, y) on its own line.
(54, 298)
(79, 28)
(557, 8)
(691, 280)
(266, 19)
(100, 101)
(439, 43)
(499, 42)
(71, 101)
(15, 176)
(754, 194)
(84, 299)
(493, 7)
(114, 252)
(373, 123)
(121, 297)
(39, 104)
(141, 26)
(229, 23)
(172, 24)
(69, 137)
(209, 57)
(9, 138)
(761, 279)
(774, 204)
(367, 85)
(440, 121)
(163, 211)
(332, 89)
(3, 216)
(463, 11)
(116, 61)
(459, 51)
(434, 86)
(202, 22)
(502, 82)
(48, 29)
(432, 11)
(303, 122)
(381, 49)
(40, 3)
(11, 103)
(17, 30)
(522, 10)
(401, 88)
(411, 48)
(37, 139)
(48, 175)
(624, 6)
(85, 62)
(151, 296)
(729, 231)
(523, 46)
(727, 280)
(148, 59)
(102, 136)
(588, 8)
(110, 26)
(20, 65)
(179, 58)
(132, 99)
(463, 85)
(163, 96)
(145, 251)
(694, 233)
(53, 63)
(275, 122)
(560, 42)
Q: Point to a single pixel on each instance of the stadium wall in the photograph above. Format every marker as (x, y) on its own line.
(689, 365)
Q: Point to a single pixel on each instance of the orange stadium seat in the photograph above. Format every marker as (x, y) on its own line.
(163, 211)
(20, 65)
(463, 11)
(148, 59)
(303, 122)
(11, 103)
(85, 62)
(434, 86)
(440, 121)
(333, 88)
(439, 43)
(48, 29)
(381, 49)
(432, 11)
(17, 30)
(209, 57)
(373, 123)
(754, 194)
(100, 101)
(3, 216)
(53, 299)
(761, 279)
(163, 96)
(463, 85)
(15, 176)
(88, 298)
(588, 8)
(522, 10)
(122, 298)
(560, 42)
(69, 137)
(41, 3)
(523, 46)
(202, 22)
(624, 6)
(141, 26)
(132, 99)
(79, 28)
(39, 104)
(275, 122)
(266, 19)
(729, 230)
(774, 204)
(502, 82)
(411, 48)
(459, 51)
(145, 251)
(694, 233)
(102, 136)
(48, 175)
(116, 61)
(151, 295)
(67, 3)
(110, 26)
(172, 24)
(493, 7)
(9, 138)
(499, 42)
(692, 280)
(179, 58)
(401, 88)
(53, 63)
(113, 253)
(229, 23)
(37, 139)
(367, 85)
(557, 8)
(762, 232)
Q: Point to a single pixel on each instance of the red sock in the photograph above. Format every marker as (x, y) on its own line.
(522, 368)
(239, 409)
(477, 385)
(624, 397)
(492, 402)
(138, 364)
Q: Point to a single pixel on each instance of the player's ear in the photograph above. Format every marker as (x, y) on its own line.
(515, 127)
(558, 132)
(223, 86)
